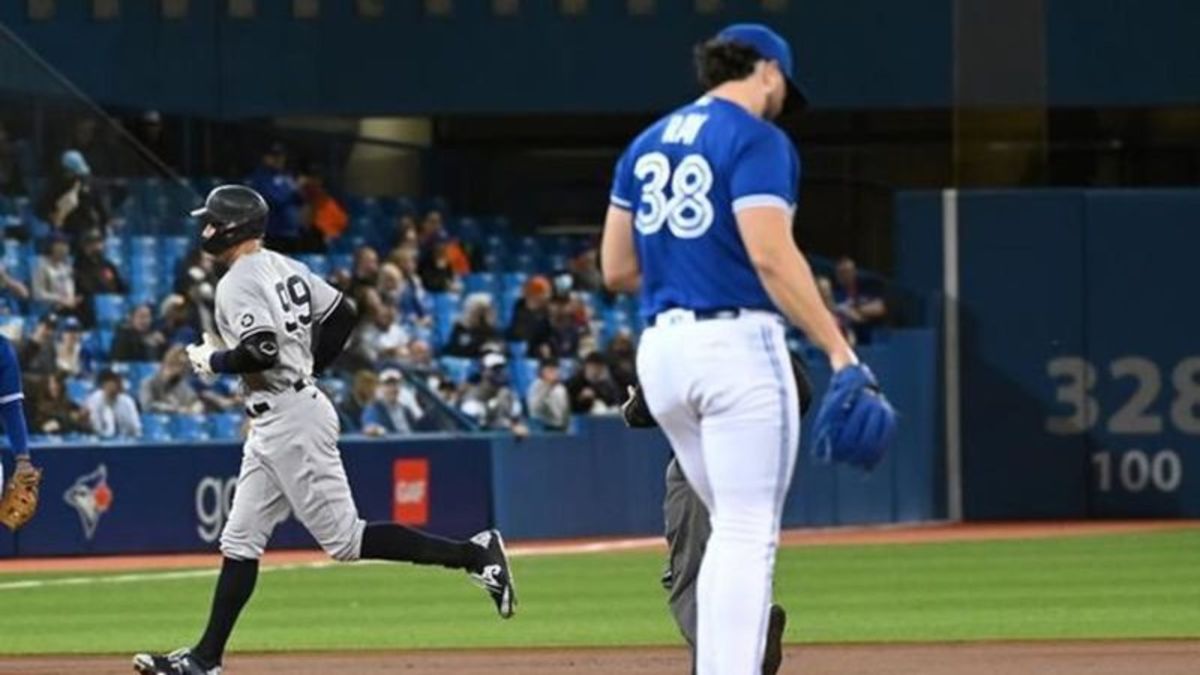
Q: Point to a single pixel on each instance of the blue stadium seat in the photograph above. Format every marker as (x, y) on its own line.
(567, 367)
(226, 426)
(517, 350)
(190, 427)
(319, 264)
(156, 427)
(110, 309)
(341, 261)
(396, 206)
(530, 245)
(137, 371)
(78, 389)
(335, 388)
(525, 262)
(101, 341)
(524, 372)
(480, 282)
(173, 250)
(468, 230)
(114, 250)
(508, 300)
(511, 280)
(499, 225)
(457, 368)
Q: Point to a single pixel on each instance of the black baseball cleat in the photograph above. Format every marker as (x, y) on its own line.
(773, 654)
(178, 662)
(496, 576)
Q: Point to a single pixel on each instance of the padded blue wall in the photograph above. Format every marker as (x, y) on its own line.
(1080, 372)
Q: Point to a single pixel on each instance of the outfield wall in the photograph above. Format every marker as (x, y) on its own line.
(1077, 335)
(603, 480)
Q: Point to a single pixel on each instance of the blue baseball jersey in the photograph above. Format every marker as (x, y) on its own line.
(684, 179)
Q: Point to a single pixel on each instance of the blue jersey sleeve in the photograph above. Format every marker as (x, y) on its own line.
(765, 172)
(12, 410)
(622, 194)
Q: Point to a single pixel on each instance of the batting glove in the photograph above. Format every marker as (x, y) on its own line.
(201, 355)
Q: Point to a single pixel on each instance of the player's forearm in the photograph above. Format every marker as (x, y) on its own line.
(789, 281)
(332, 335)
(13, 414)
(254, 354)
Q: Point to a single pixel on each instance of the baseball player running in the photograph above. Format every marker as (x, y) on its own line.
(700, 220)
(285, 324)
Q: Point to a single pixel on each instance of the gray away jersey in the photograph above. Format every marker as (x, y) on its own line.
(266, 291)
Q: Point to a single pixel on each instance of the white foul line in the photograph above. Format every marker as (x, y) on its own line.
(172, 575)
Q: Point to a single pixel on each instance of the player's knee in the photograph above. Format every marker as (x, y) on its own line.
(241, 547)
(745, 529)
(346, 548)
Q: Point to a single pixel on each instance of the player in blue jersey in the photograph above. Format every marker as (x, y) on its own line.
(20, 496)
(700, 222)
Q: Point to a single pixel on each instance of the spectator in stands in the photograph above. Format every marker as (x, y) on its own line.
(137, 340)
(111, 411)
(11, 181)
(51, 411)
(395, 411)
(565, 333)
(324, 219)
(859, 305)
(547, 398)
(282, 192)
(584, 267)
(475, 330)
(491, 402)
(37, 353)
(94, 274)
(364, 278)
(420, 356)
(592, 388)
(433, 236)
(363, 391)
(531, 314)
(12, 292)
(437, 274)
(70, 357)
(382, 339)
(150, 133)
(196, 281)
(622, 360)
(389, 286)
(54, 278)
(176, 322)
(70, 203)
(407, 231)
(413, 298)
(170, 389)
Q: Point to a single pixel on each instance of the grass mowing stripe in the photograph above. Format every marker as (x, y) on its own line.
(1113, 586)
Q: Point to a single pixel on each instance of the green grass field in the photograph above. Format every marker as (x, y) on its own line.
(1111, 586)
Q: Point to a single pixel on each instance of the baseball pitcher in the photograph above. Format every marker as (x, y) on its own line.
(700, 220)
(279, 324)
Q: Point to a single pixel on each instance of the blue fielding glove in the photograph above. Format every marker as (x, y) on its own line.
(855, 422)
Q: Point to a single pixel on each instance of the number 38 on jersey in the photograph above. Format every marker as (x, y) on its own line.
(686, 209)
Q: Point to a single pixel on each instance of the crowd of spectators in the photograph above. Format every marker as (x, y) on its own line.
(407, 367)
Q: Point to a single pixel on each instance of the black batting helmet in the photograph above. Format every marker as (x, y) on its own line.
(231, 214)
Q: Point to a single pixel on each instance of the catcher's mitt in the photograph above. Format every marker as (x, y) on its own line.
(20, 499)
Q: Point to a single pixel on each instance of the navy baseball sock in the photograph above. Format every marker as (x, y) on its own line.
(392, 541)
(234, 587)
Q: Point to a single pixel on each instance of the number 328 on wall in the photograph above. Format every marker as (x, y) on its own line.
(1076, 378)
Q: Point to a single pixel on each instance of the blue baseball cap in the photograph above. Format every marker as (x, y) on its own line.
(772, 47)
(73, 161)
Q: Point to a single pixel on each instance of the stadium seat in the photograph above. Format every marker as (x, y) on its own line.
(114, 250)
(517, 350)
(109, 308)
(525, 262)
(480, 282)
(524, 372)
(567, 367)
(457, 368)
(190, 427)
(468, 230)
(101, 341)
(78, 389)
(511, 280)
(508, 300)
(137, 371)
(319, 264)
(226, 426)
(335, 388)
(341, 261)
(156, 427)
